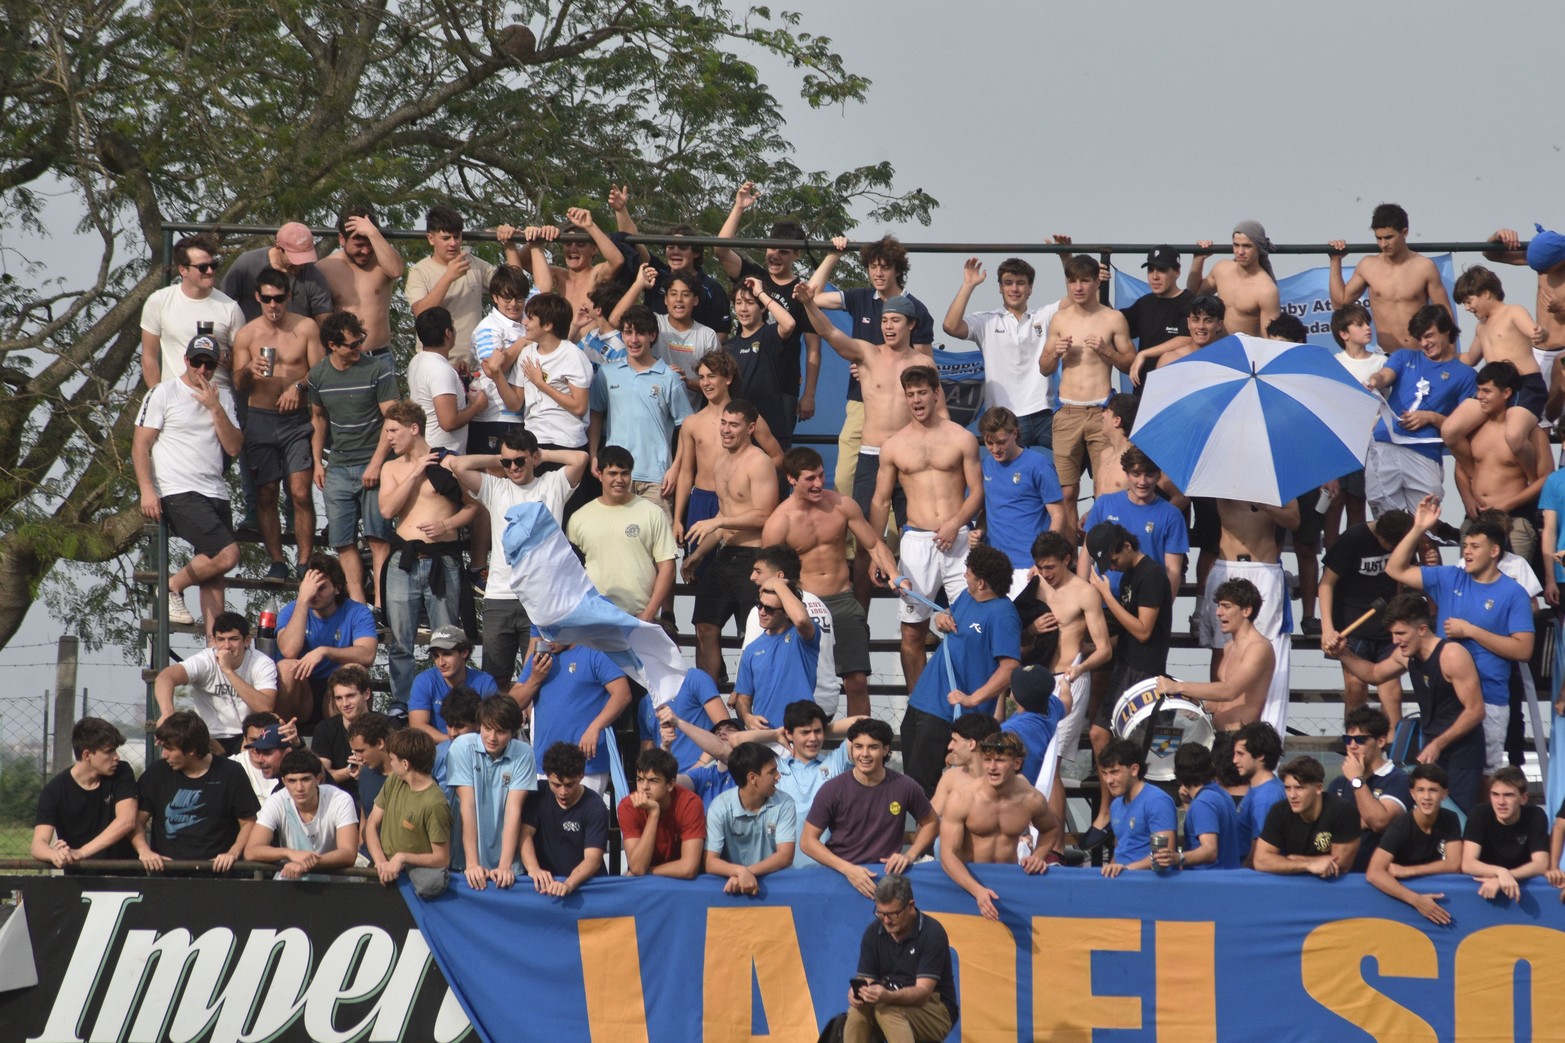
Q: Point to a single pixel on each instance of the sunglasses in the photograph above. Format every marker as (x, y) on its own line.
(201, 363)
(273, 298)
(353, 345)
(1355, 740)
(204, 267)
(762, 606)
(511, 463)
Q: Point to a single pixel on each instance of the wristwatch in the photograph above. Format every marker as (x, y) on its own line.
(1356, 783)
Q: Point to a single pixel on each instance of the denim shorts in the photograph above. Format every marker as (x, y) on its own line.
(349, 504)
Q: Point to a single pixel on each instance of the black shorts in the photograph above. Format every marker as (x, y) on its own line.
(1312, 521)
(1533, 394)
(201, 521)
(1120, 678)
(1207, 532)
(278, 444)
(850, 630)
(724, 589)
(1352, 484)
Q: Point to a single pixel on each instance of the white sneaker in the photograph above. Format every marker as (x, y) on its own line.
(178, 612)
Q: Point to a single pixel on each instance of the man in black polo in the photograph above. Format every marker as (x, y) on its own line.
(903, 989)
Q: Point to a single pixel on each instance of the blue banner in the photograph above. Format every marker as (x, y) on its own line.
(1305, 295)
(1188, 957)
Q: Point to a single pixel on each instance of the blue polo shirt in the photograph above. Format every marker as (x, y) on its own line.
(430, 689)
(801, 780)
(986, 632)
(1036, 730)
(351, 621)
(1501, 607)
(571, 696)
(689, 705)
(709, 781)
(778, 669)
(1159, 527)
(492, 779)
(1213, 811)
(1134, 821)
(1422, 384)
(1015, 493)
(1254, 808)
(746, 837)
(641, 411)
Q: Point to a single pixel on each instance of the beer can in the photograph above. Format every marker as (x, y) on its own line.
(269, 356)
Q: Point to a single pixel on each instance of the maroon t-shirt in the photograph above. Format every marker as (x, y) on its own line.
(867, 822)
(684, 820)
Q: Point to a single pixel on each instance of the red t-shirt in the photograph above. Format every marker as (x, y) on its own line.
(684, 820)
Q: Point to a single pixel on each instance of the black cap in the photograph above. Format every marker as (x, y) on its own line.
(203, 345)
(1104, 539)
(1162, 257)
(1032, 686)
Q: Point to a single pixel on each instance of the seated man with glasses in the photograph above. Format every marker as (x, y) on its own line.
(350, 393)
(903, 990)
(1370, 780)
(184, 428)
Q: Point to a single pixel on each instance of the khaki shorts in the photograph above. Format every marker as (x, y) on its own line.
(1078, 439)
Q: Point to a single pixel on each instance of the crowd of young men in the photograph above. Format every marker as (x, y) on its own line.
(660, 435)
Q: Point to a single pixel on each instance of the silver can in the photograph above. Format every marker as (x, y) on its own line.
(269, 356)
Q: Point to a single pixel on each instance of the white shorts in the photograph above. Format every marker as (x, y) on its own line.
(1063, 745)
(1269, 579)
(1496, 721)
(1396, 478)
(930, 569)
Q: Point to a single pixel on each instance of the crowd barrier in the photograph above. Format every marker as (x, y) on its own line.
(1189, 957)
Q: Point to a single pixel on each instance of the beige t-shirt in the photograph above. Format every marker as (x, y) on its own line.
(464, 299)
(623, 546)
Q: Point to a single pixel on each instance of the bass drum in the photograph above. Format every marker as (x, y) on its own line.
(1178, 721)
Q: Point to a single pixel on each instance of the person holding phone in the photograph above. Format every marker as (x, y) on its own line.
(903, 991)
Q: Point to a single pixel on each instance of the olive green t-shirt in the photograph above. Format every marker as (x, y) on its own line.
(415, 820)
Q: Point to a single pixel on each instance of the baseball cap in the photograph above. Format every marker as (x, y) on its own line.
(449, 637)
(1104, 539)
(1162, 257)
(1032, 686)
(726, 724)
(297, 243)
(203, 345)
(270, 739)
(900, 305)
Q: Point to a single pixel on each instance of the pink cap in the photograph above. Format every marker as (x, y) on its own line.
(297, 243)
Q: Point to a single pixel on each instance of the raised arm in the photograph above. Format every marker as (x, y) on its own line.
(744, 199)
(844, 345)
(955, 322)
(1401, 566)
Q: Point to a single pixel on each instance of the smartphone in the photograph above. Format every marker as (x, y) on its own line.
(856, 984)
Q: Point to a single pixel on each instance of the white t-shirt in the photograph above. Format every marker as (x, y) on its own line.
(686, 349)
(216, 702)
(429, 375)
(171, 316)
(828, 686)
(1364, 368)
(494, 333)
(566, 366)
(1516, 567)
(186, 458)
(499, 495)
(289, 829)
(1011, 348)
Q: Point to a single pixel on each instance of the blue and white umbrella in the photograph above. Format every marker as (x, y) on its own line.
(1251, 419)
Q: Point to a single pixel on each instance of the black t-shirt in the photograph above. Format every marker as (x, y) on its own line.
(1030, 606)
(1155, 319)
(564, 834)
(1394, 784)
(1359, 561)
(763, 381)
(1146, 585)
(1411, 846)
(782, 293)
(331, 741)
(924, 953)
(196, 818)
(1508, 847)
(78, 815)
(1338, 823)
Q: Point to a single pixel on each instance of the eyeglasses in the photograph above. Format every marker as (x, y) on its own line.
(892, 914)
(352, 345)
(1356, 740)
(273, 298)
(513, 463)
(204, 267)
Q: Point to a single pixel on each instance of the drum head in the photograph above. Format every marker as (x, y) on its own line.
(1177, 722)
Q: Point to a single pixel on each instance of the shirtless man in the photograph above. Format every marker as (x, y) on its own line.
(985, 821)
(278, 429)
(1246, 283)
(1400, 281)
(1118, 417)
(936, 463)
(880, 369)
(1074, 612)
(746, 486)
(1492, 475)
(1087, 342)
(1247, 549)
(1546, 256)
(580, 275)
(815, 521)
(425, 566)
(700, 444)
(361, 274)
(1505, 334)
(1239, 692)
(964, 763)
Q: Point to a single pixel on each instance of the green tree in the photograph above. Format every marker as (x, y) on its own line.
(157, 111)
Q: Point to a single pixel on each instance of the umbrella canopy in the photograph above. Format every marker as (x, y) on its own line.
(1251, 419)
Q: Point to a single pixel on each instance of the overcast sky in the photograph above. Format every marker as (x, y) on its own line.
(1142, 122)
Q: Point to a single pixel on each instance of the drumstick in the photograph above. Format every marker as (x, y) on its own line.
(1374, 609)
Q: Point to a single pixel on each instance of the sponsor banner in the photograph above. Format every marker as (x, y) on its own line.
(1198, 956)
(138, 960)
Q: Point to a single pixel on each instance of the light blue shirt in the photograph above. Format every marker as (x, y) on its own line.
(746, 837)
(641, 411)
(492, 780)
(802, 779)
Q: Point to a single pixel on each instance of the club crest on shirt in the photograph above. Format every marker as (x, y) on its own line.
(1150, 526)
(505, 779)
(632, 530)
(654, 391)
(571, 668)
(896, 807)
(1488, 604)
(1322, 842)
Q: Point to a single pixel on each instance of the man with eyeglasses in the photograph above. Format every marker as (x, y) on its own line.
(272, 356)
(175, 314)
(903, 990)
(506, 627)
(184, 428)
(1370, 780)
(350, 393)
